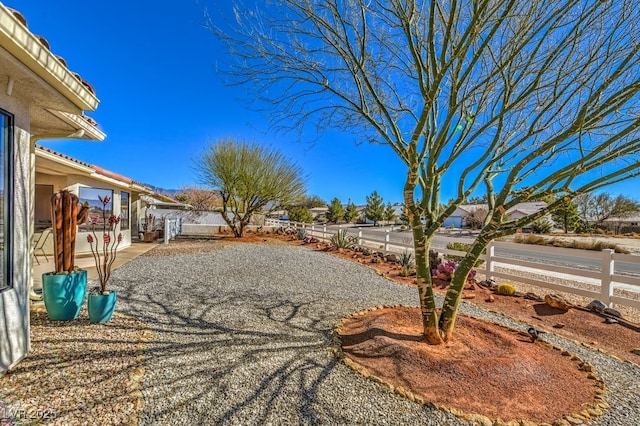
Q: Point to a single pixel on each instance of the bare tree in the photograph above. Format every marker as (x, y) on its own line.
(247, 178)
(520, 99)
(199, 198)
(596, 208)
(475, 218)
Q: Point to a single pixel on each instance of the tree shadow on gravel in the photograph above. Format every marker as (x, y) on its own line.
(232, 358)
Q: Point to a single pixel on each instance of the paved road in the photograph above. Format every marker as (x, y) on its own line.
(441, 240)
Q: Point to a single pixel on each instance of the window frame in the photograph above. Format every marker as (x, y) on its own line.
(125, 222)
(7, 142)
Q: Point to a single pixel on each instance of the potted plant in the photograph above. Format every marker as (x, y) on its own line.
(63, 290)
(104, 245)
(150, 234)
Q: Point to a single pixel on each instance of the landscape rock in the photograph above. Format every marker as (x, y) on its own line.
(612, 312)
(610, 320)
(557, 301)
(635, 351)
(533, 296)
(596, 306)
(490, 299)
(391, 257)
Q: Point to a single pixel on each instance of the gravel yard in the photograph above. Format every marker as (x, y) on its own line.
(242, 334)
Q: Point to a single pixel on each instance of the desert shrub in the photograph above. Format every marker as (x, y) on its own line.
(506, 289)
(458, 246)
(302, 233)
(434, 259)
(407, 265)
(541, 226)
(575, 244)
(342, 240)
(309, 239)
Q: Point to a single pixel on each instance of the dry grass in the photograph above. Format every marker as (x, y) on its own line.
(574, 244)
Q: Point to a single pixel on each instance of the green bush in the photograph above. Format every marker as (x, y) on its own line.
(342, 240)
(541, 226)
(458, 246)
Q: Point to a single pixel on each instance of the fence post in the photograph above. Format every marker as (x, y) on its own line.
(491, 252)
(606, 289)
(359, 236)
(324, 233)
(386, 242)
(167, 231)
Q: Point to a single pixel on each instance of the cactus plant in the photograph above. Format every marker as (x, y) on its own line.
(302, 233)
(66, 212)
(342, 240)
(63, 290)
(506, 289)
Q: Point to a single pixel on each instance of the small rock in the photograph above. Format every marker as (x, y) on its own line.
(490, 299)
(558, 302)
(533, 296)
(558, 325)
(596, 306)
(635, 351)
(612, 312)
(610, 320)
(469, 296)
(392, 258)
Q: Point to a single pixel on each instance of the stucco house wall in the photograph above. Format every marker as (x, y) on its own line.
(14, 301)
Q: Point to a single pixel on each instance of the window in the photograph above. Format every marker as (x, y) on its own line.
(124, 211)
(42, 206)
(6, 198)
(90, 195)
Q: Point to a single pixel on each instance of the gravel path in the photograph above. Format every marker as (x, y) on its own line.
(243, 336)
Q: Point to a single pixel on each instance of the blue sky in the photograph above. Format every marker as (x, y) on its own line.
(153, 66)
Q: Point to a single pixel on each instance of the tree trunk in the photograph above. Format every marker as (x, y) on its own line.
(423, 273)
(454, 293)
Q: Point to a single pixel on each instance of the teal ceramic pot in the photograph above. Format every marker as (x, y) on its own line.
(63, 294)
(101, 307)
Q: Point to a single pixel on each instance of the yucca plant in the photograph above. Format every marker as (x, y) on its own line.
(342, 240)
(407, 265)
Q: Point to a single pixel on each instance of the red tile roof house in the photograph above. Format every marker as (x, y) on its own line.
(40, 98)
(55, 171)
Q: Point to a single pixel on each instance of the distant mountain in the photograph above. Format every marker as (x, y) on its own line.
(164, 191)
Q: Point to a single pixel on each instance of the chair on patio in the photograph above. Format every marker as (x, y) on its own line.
(39, 244)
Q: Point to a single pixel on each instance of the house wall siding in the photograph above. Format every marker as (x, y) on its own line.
(14, 302)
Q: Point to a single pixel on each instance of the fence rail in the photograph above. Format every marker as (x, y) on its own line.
(604, 281)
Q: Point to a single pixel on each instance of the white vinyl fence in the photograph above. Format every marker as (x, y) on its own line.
(604, 280)
(172, 228)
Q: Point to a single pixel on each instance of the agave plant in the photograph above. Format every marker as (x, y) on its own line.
(342, 240)
(407, 264)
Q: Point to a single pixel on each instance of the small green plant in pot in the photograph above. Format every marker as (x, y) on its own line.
(63, 290)
(104, 243)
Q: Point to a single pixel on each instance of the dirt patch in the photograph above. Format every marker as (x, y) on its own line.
(182, 246)
(487, 369)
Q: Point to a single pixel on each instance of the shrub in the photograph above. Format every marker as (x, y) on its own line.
(407, 264)
(506, 289)
(458, 246)
(575, 244)
(541, 226)
(342, 240)
(445, 271)
(302, 233)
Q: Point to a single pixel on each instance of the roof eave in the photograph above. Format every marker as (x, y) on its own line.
(26, 47)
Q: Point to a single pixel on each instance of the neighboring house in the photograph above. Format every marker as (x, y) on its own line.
(622, 225)
(457, 219)
(55, 171)
(40, 98)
